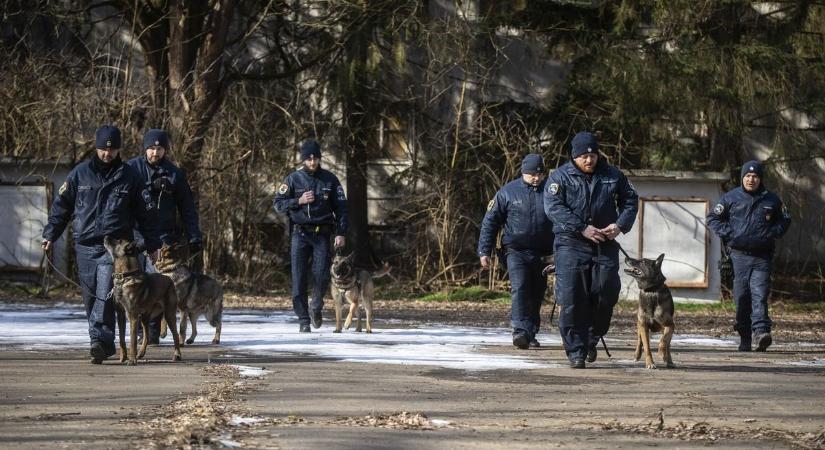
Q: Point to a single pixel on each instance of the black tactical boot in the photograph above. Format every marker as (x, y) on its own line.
(577, 363)
(763, 341)
(535, 343)
(592, 354)
(317, 318)
(521, 340)
(98, 353)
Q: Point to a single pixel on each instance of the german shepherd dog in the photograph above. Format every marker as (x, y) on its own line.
(197, 293)
(356, 287)
(140, 296)
(655, 308)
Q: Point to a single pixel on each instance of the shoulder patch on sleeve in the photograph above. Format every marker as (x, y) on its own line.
(491, 204)
(340, 192)
(63, 188)
(283, 188)
(719, 209)
(785, 212)
(553, 189)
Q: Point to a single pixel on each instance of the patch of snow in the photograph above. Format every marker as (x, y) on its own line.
(250, 372)
(237, 421)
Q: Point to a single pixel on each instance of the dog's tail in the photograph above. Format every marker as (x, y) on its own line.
(385, 269)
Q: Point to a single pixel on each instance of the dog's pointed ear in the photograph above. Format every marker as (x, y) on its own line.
(108, 243)
(659, 261)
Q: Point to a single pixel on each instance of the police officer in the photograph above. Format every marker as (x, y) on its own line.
(528, 236)
(102, 196)
(749, 219)
(166, 196)
(590, 202)
(314, 200)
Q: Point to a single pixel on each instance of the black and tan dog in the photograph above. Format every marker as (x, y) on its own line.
(356, 287)
(140, 296)
(197, 293)
(655, 308)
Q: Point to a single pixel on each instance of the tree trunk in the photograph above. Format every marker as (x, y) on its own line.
(356, 126)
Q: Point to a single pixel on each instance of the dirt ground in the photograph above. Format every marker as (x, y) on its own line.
(714, 398)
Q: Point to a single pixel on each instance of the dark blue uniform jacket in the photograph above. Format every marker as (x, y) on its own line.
(161, 203)
(517, 207)
(572, 202)
(329, 207)
(749, 222)
(101, 205)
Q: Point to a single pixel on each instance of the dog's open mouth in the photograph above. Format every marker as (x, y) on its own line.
(633, 272)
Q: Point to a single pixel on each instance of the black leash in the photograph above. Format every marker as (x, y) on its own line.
(606, 351)
(621, 250)
(91, 291)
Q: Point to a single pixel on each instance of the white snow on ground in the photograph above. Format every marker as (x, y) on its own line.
(251, 372)
(268, 333)
(237, 421)
(816, 362)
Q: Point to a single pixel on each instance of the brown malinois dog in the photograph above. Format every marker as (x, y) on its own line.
(655, 308)
(141, 296)
(356, 287)
(197, 293)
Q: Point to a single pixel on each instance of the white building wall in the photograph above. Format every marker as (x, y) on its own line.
(683, 242)
(22, 237)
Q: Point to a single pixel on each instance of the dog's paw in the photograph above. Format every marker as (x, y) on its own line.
(650, 365)
(131, 363)
(369, 331)
(190, 341)
(216, 341)
(337, 330)
(176, 358)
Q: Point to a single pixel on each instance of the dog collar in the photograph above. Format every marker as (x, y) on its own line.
(121, 276)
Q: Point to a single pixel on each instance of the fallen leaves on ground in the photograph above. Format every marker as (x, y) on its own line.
(704, 431)
(402, 420)
(200, 421)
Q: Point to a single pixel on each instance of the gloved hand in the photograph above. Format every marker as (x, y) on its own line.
(195, 247)
(162, 184)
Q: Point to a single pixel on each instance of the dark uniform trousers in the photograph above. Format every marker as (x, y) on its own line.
(527, 288)
(587, 288)
(751, 286)
(95, 270)
(306, 245)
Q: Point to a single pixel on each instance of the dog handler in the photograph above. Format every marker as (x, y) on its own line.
(166, 195)
(749, 219)
(102, 196)
(314, 200)
(528, 237)
(590, 202)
